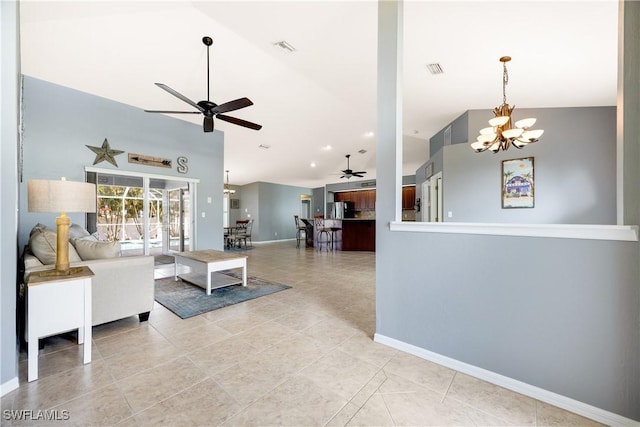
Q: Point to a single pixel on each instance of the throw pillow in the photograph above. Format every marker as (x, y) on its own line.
(43, 244)
(91, 249)
(77, 232)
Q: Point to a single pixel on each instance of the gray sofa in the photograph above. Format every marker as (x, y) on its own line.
(121, 287)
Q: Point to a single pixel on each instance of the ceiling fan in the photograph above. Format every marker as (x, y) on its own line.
(348, 173)
(210, 109)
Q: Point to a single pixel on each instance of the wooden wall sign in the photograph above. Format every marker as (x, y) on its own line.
(149, 161)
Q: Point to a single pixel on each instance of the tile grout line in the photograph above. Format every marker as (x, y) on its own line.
(444, 396)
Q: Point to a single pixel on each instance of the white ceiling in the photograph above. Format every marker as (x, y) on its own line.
(564, 54)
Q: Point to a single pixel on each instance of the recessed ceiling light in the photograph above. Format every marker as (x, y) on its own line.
(326, 148)
(313, 164)
(435, 68)
(285, 46)
(369, 134)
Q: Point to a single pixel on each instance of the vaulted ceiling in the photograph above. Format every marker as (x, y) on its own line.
(324, 93)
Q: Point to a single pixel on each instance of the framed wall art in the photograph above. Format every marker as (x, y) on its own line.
(518, 183)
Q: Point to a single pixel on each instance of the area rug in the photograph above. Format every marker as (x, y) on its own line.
(163, 259)
(187, 300)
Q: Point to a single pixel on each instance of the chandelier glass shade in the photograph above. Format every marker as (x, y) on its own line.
(503, 132)
(227, 189)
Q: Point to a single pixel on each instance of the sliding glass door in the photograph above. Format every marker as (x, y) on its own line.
(148, 215)
(179, 219)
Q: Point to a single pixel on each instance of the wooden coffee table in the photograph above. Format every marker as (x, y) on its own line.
(206, 263)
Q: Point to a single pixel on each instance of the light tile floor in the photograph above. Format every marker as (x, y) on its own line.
(300, 357)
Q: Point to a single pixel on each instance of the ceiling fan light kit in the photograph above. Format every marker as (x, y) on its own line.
(501, 134)
(207, 108)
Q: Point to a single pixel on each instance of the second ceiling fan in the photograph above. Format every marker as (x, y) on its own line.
(210, 109)
(348, 173)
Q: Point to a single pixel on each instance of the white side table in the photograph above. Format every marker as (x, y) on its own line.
(57, 304)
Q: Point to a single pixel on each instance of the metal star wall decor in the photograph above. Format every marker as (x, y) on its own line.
(105, 153)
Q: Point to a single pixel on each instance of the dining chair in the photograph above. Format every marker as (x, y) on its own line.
(243, 232)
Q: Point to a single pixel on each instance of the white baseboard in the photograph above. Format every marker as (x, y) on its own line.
(9, 386)
(272, 241)
(597, 414)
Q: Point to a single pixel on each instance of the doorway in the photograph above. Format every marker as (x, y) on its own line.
(305, 206)
(432, 199)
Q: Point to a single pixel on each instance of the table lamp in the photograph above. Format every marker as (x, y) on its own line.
(61, 196)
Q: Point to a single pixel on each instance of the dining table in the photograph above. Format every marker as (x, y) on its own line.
(230, 230)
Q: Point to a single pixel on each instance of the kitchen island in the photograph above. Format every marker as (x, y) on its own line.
(349, 234)
(358, 234)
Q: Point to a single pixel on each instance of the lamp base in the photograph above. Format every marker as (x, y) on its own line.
(57, 273)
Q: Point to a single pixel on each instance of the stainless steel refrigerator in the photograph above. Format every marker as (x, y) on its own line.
(340, 210)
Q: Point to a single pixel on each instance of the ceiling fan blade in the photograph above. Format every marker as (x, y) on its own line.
(179, 95)
(359, 172)
(232, 105)
(172, 112)
(207, 124)
(239, 122)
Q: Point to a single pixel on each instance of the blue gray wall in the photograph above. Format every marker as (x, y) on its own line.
(273, 207)
(9, 101)
(317, 206)
(575, 170)
(459, 130)
(59, 122)
(559, 314)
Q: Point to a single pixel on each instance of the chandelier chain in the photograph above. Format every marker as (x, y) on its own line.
(505, 82)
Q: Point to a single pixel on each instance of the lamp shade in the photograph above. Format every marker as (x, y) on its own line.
(61, 196)
(526, 123)
(499, 121)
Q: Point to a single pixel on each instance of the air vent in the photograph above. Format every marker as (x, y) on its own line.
(264, 147)
(285, 46)
(447, 136)
(435, 68)
(362, 151)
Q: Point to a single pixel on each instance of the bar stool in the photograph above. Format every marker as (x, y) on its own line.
(299, 230)
(334, 232)
(320, 230)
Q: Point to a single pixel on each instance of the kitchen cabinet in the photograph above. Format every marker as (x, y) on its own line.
(342, 197)
(370, 199)
(356, 199)
(365, 200)
(408, 197)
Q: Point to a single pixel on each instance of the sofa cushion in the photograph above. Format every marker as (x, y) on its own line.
(43, 244)
(30, 261)
(90, 249)
(77, 232)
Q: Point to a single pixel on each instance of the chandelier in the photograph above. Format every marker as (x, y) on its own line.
(227, 189)
(501, 134)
